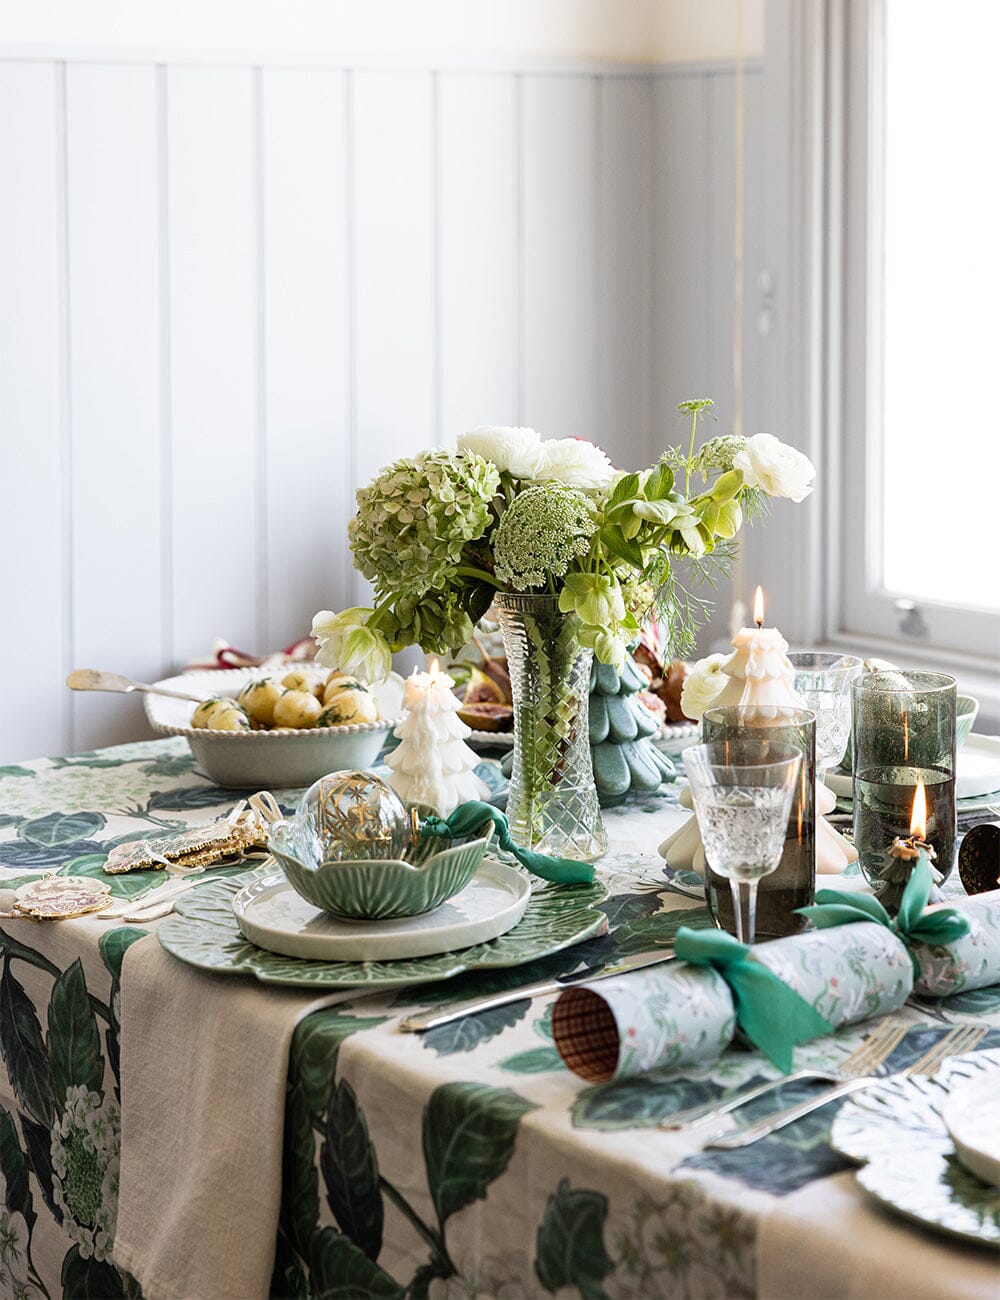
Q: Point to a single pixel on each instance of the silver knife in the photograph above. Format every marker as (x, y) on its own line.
(472, 1006)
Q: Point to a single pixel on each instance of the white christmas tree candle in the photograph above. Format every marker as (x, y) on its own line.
(761, 675)
(433, 764)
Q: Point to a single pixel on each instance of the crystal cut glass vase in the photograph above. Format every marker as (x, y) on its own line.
(552, 804)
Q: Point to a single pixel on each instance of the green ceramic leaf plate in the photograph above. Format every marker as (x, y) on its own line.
(203, 932)
(897, 1131)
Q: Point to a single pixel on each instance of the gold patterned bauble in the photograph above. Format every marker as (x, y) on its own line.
(352, 815)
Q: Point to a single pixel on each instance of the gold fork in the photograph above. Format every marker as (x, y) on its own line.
(875, 1049)
(958, 1040)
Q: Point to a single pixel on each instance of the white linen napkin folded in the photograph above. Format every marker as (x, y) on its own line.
(829, 1241)
(204, 1060)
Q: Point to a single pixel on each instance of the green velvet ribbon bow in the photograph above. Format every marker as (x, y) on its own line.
(773, 1016)
(470, 818)
(913, 925)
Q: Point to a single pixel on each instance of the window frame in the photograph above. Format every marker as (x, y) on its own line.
(859, 608)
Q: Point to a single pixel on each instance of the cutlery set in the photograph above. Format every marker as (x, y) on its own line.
(854, 1073)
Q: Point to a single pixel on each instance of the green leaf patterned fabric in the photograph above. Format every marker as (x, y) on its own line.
(350, 1172)
(468, 1134)
(466, 1161)
(570, 1250)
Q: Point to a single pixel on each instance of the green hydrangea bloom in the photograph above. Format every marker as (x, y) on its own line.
(414, 519)
(540, 535)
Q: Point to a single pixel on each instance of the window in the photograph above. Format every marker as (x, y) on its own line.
(920, 476)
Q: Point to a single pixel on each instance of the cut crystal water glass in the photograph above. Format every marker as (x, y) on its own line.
(742, 809)
(824, 683)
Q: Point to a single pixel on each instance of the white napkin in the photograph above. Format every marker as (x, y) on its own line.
(203, 1068)
(831, 1242)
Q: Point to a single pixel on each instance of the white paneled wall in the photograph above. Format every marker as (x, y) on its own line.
(229, 294)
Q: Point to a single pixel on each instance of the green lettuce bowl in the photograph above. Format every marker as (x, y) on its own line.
(377, 889)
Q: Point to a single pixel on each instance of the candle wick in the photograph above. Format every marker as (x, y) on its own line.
(759, 622)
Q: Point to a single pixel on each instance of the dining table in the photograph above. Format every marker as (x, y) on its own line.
(182, 1129)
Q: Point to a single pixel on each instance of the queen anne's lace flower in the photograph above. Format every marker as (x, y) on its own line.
(540, 535)
(85, 1161)
(414, 519)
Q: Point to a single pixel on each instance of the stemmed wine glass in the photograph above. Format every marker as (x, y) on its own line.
(824, 683)
(742, 811)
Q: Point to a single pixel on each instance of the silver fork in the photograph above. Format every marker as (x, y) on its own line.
(960, 1039)
(876, 1048)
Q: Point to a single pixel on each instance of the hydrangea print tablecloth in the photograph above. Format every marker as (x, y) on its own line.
(466, 1161)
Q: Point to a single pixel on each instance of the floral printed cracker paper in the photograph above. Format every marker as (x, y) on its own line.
(663, 1018)
(846, 974)
(971, 962)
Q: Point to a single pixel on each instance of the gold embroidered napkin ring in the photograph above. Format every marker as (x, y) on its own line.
(243, 832)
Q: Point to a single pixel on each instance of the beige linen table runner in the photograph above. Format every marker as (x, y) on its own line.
(830, 1242)
(204, 1060)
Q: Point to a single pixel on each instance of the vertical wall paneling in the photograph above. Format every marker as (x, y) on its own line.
(34, 517)
(719, 288)
(681, 328)
(560, 270)
(232, 294)
(477, 259)
(394, 244)
(114, 384)
(219, 559)
(625, 288)
(306, 346)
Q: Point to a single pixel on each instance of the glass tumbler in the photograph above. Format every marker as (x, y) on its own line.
(903, 733)
(824, 683)
(793, 883)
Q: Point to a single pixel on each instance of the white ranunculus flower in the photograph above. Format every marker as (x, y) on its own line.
(515, 451)
(576, 463)
(774, 467)
(702, 686)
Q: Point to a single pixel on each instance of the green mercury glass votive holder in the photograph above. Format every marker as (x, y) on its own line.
(903, 733)
(750, 732)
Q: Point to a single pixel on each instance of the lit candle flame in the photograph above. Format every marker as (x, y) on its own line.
(758, 607)
(918, 821)
(434, 666)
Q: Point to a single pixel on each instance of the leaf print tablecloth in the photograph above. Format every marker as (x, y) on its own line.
(466, 1161)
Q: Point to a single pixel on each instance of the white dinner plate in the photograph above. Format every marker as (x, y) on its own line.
(273, 916)
(972, 1117)
(977, 774)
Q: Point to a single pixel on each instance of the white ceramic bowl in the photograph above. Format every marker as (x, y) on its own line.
(283, 757)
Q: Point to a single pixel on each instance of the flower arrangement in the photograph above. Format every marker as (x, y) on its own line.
(440, 533)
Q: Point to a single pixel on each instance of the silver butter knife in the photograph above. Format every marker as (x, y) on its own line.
(473, 1006)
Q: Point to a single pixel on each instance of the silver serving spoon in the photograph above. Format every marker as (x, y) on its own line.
(91, 679)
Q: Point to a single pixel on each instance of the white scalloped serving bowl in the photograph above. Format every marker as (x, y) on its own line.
(283, 757)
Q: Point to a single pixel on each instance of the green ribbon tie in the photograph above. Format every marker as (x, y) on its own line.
(773, 1016)
(912, 925)
(470, 818)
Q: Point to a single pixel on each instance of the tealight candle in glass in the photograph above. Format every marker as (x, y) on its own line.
(793, 884)
(903, 734)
